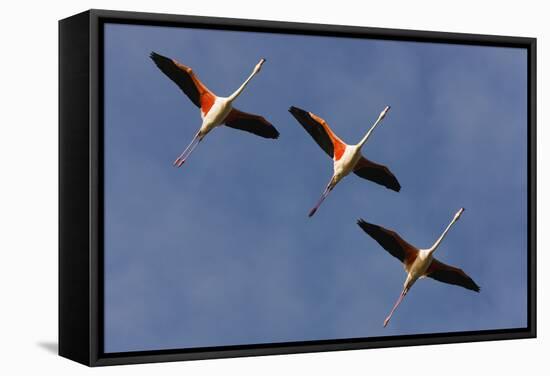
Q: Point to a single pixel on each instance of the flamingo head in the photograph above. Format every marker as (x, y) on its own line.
(383, 113)
(459, 213)
(258, 66)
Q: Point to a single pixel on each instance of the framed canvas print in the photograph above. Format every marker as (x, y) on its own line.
(238, 187)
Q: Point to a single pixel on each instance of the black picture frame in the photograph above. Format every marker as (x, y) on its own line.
(80, 187)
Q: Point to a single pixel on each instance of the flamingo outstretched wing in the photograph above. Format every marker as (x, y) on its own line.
(320, 131)
(391, 242)
(377, 173)
(187, 81)
(255, 124)
(450, 274)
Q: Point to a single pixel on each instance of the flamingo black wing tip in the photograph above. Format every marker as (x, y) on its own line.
(470, 284)
(295, 110)
(393, 184)
(157, 58)
(271, 133)
(396, 187)
(275, 134)
(365, 226)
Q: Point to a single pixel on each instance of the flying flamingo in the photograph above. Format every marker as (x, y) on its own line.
(347, 158)
(418, 263)
(215, 110)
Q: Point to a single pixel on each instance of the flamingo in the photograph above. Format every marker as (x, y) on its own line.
(346, 158)
(418, 263)
(215, 110)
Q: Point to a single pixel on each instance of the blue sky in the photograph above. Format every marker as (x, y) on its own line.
(221, 252)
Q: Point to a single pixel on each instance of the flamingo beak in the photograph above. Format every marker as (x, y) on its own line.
(383, 113)
(259, 65)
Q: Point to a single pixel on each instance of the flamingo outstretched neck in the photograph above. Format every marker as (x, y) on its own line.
(380, 118)
(256, 70)
(446, 231)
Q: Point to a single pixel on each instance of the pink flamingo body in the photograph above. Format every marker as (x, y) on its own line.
(214, 110)
(418, 263)
(346, 158)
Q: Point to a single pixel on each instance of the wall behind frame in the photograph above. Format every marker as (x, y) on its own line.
(28, 158)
